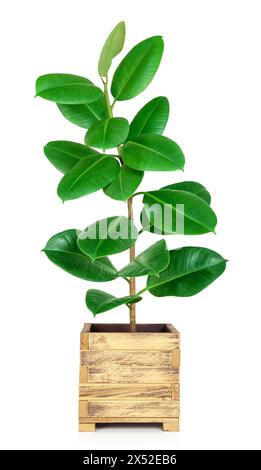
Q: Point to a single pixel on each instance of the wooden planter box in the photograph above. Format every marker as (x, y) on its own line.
(129, 377)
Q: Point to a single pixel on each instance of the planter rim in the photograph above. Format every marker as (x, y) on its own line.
(141, 328)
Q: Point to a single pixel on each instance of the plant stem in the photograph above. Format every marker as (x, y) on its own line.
(107, 99)
(131, 280)
(132, 307)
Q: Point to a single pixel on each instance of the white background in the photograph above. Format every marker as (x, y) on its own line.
(211, 74)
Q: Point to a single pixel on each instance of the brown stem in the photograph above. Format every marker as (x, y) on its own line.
(132, 307)
(131, 280)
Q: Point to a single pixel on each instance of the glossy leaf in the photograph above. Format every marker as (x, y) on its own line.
(99, 301)
(191, 269)
(151, 261)
(64, 154)
(125, 184)
(151, 119)
(108, 134)
(67, 89)
(84, 115)
(153, 153)
(62, 250)
(107, 237)
(89, 175)
(112, 47)
(137, 69)
(172, 207)
(191, 187)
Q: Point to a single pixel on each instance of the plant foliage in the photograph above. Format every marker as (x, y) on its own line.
(114, 157)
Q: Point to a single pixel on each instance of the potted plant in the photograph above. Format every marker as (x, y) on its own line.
(128, 373)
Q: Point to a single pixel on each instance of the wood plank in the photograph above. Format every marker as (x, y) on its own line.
(133, 341)
(83, 375)
(125, 392)
(87, 427)
(170, 328)
(175, 392)
(84, 341)
(117, 357)
(129, 419)
(133, 409)
(83, 409)
(171, 426)
(86, 328)
(175, 358)
(133, 375)
(84, 338)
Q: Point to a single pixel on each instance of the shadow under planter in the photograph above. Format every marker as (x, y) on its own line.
(129, 377)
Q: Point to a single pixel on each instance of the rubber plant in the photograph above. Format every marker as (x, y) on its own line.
(114, 157)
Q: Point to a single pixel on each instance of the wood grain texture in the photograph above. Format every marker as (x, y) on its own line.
(83, 409)
(83, 375)
(171, 426)
(129, 377)
(175, 358)
(133, 375)
(124, 409)
(129, 419)
(133, 341)
(125, 392)
(87, 427)
(171, 329)
(84, 339)
(160, 358)
(175, 392)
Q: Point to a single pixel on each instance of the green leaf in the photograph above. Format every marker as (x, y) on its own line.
(125, 184)
(164, 205)
(84, 115)
(191, 187)
(89, 175)
(67, 89)
(153, 153)
(191, 269)
(108, 134)
(137, 69)
(64, 154)
(99, 301)
(107, 237)
(112, 47)
(151, 261)
(62, 250)
(151, 119)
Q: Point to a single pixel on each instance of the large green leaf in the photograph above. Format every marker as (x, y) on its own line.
(89, 175)
(137, 69)
(108, 134)
(191, 187)
(153, 153)
(84, 115)
(151, 261)
(64, 154)
(191, 269)
(112, 47)
(99, 301)
(151, 119)
(107, 237)
(67, 89)
(173, 211)
(125, 184)
(62, 250)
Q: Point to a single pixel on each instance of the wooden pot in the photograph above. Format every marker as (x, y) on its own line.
(129, 377)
